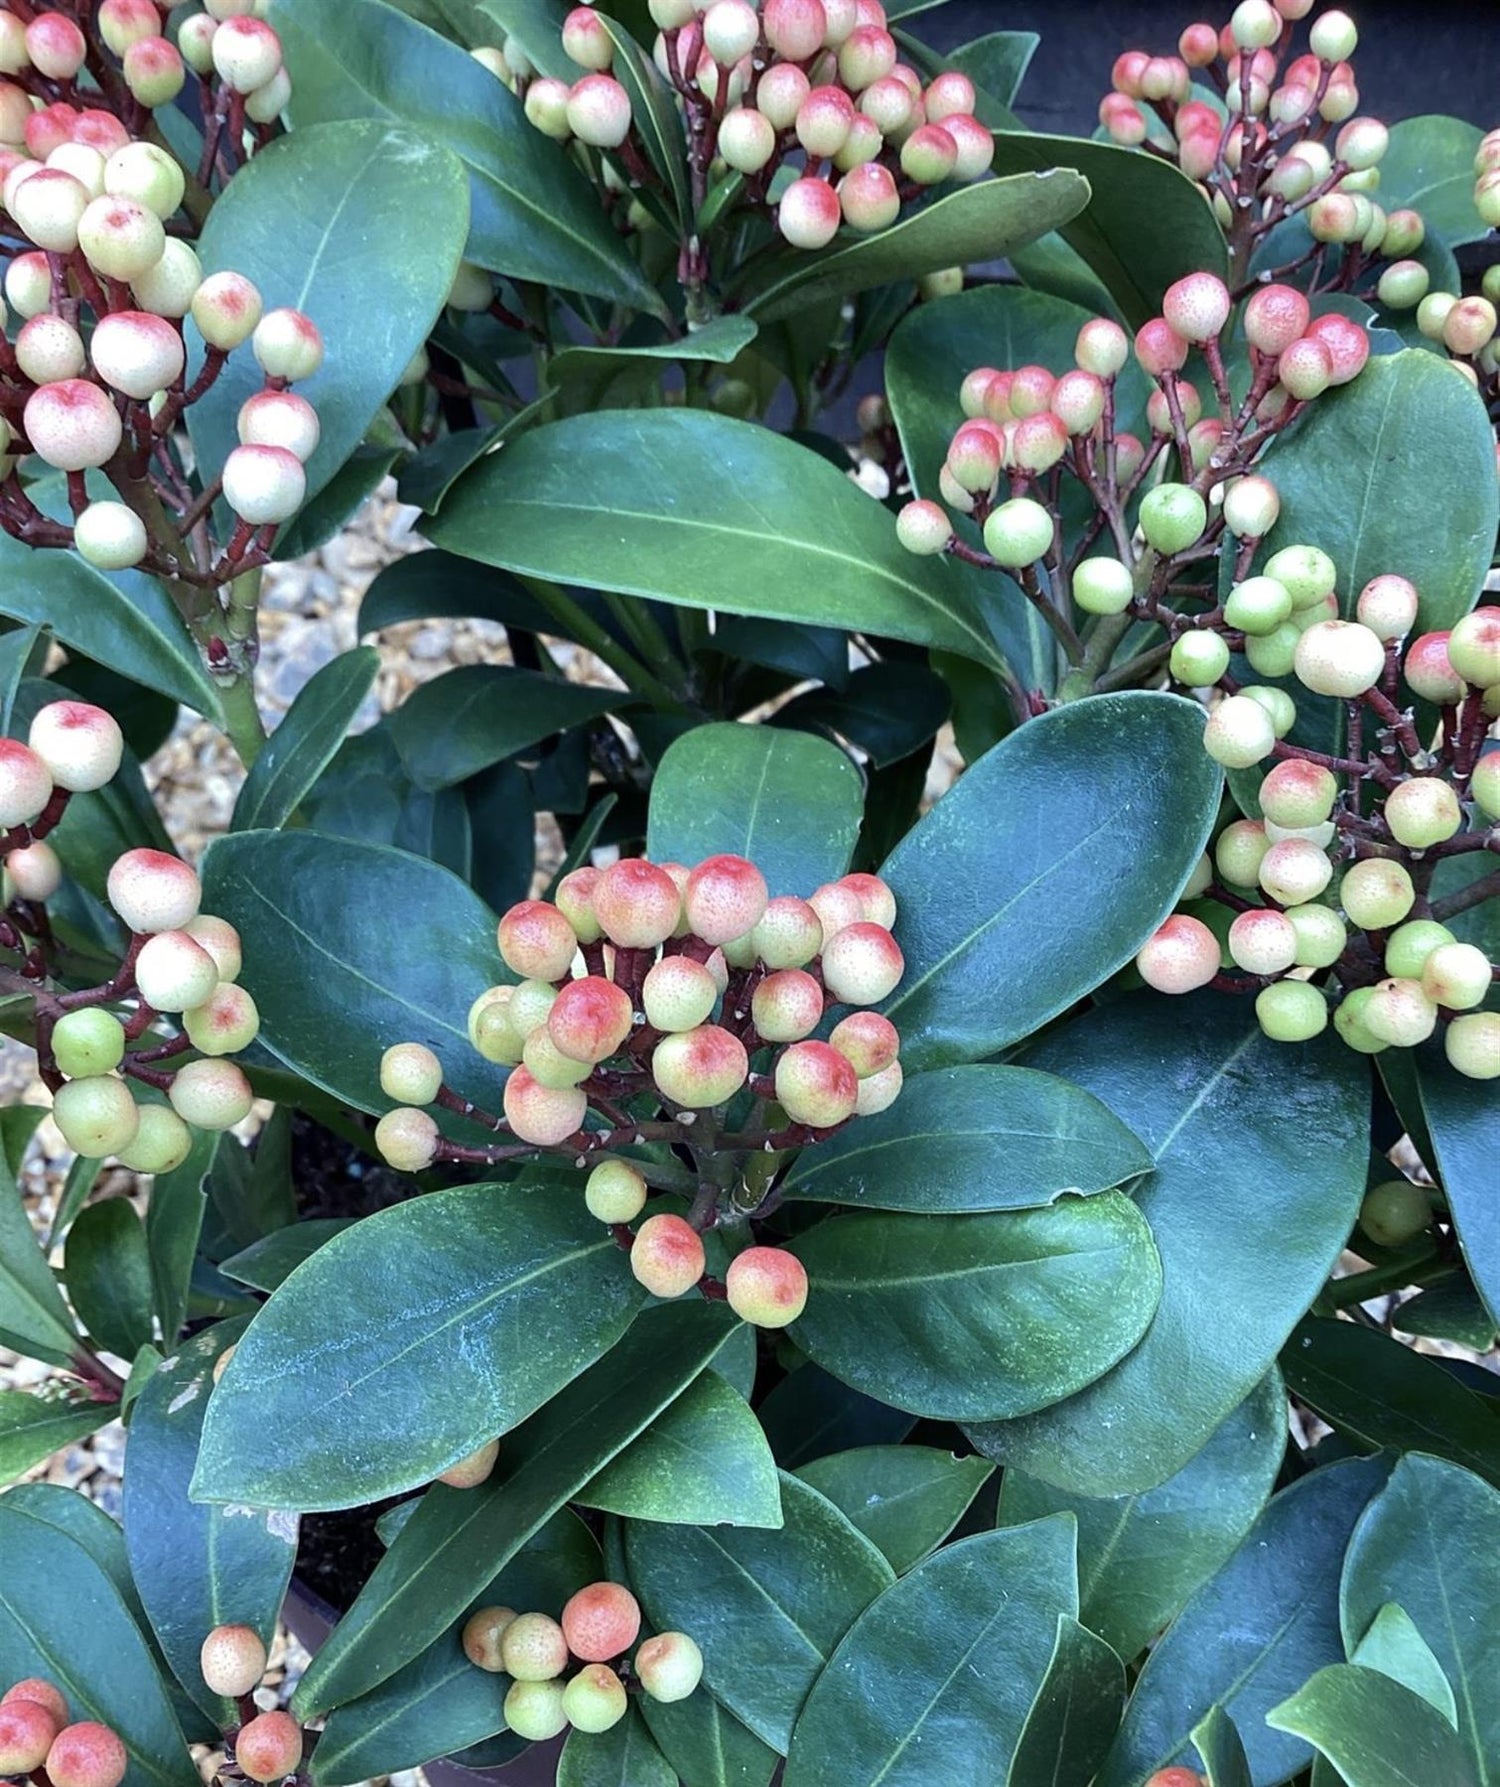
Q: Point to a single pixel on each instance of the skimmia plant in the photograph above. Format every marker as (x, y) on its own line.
(821, 1270)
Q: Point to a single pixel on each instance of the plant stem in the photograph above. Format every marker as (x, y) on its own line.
(575, 623)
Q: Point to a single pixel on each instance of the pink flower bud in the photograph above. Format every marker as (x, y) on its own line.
(823, 120)
(1347, 343)
(1102, 347)
(536, 941)
(1199, 46)
(226, 308)
(1263, 941)
(56, 46)
(816, 1085)
(747, 140)
(929, 155)
(152, 891)
(49, 205)
(124, 22)
(1039, 442)
(120, 238)
(49, 348)
(975, 145)
(287, 344)
(865, 56)
(1275, 317)
(636, 903)
(699, 1068)
(599, 111)
(950, 94)
(586, 41)
(247, 53)
(726, 898)
(1387, 605)
(279, 419)
(539, 1114)
(795, 29)
(72, 424)
(1127, 71)
(667, 1256)
(25, 785)
(1197, 306)
(155, 72)
(136, 354)
(1159, 348)
(787, 1005)
(86, 1754)
(867, 1040)
(590, 1019)
(782, 92)
(1305, 368)
(766, 1286)
(809, 213)
(868, 197)
(862, 964)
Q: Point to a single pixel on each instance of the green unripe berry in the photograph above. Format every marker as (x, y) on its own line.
(410, 1073)
(1294, 871)
(924, 528)
(1457, 976)
(1277, 703)
(1484, 784)
(549, 1066)
(1349, 1021)
(530, 1004)
(1199, 658)
(1395, 1212)
(97, 1116)
(1239, 732)
(1321, 935)
(482, 1635)
(1409, 946)
(1273, 653)
(534, 1710)
(1258, 605)
(1173, 517)
(491, 1029)
(162, 1141)
(1018, 532)
(1291, 1011)
(595, 1699)
(1306, 573)
(211, 1094)
(1239, 850)
(1472, 1045)
(534, 1649)
(1403, 284)
(407, 1139)
(1432, 313)
(678, 994)
(1399, 1013)
(615, 1192)
(88, 1042)
(1377, 894)
(1423, 811)
(669, 1666)
(1103, 586)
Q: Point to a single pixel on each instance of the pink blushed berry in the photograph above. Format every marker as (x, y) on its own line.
(264, 485)
(795, 29)
(1276, 316)
(590, 1019)
(767, 1286)
(287, 344)
(868, 198)
(726, 897)
(87, 1754)
(541, 1115)
(72, 424)
(1429, 671)
(227, 308)
(155, 71)
(699, 1068)
(667, 1256)
(1197, 307)
(56, 46)
(1181, 955)
(135, 353)
(816, 1085)
(599, 111)
(636, 903)
(601, 1622)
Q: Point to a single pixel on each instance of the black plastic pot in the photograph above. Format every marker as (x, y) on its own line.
(309, 1618)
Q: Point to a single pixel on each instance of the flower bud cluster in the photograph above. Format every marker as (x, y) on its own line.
(1267, 134)
(1329, 896)
(175, 990)
(806, 104)
(657, 995)
(1465, 328)
(266, 1746)
(36, 1735)
(597, 1628)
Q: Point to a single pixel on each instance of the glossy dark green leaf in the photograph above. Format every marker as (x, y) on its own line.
(974, 1318)
(462, 722)
(440, 1703)
(1193, 1078)
(532, 214)
(196, 1566)
(1140, 1557)
(888, 710)
(438, 585)
(786, 1598)
(904, 1499)
(126, 620)
(109, 1275)
(976, 223)
(624, 1756)
(1145, 224)
(935, 1680)
(1045, 869)
(1463, 1119)
(659, 124)
(1390, 475)
(704, 1461)
(303, 745)
(23, 653)
(327, 927)
(967, 1139)
(1381, 1393)
(591, 378)
(1252, 1634)
(174, 1222)
(675, 508)
(34, 1427)
(269, 1262)
(810, 1414)
(411, 1339)
(1431, 1543)
(1395, 1647)
(366, 797)
(1449, 1310)
(1428, 166)
(1217, 1741)
(707, 1745)
(311, 205)
(458, 1540)
(995, 63)
(62, 1617)
(1075, 1714)
(790, 802)
(34, 1320)
(1374, 1731)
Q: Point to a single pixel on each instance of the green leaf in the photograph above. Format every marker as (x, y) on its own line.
(675, 507)
(623, 1756)
(1368, 1386)
(1251, 1635)
(1193, 1078)
(411, 1339)
(174, 1222)
(1463, 1118)
(1390, 473)
(196, 1566)
(934, 1681)
(1045, 869)
(1145, 225)
(658, 123)
(532, 214)
(109, 1275)
(303, 745)
(440, 586)
(458, 1539)
(307, 208)
(810, 1414)
(707, 1745)
(1140, 1557)
(269, 1262)
(1428, 166)
(23, 653)
(703, 1462)
(365, 797)
(888, 710)
(790, 802)
(1217, 1741)
(904, 1499)
(440, 1702)
(1075, 1714)
(126, 620)
(1395, 1647)
(34, 1427)
(783, 1598)
(1432, 1543)
(593, 378)
(1448, 1310)
(1376, 1732)
(976, 223)
(327, 928)
(34, 1320)
(63, 1618)
(995, 63)
(968, 1139)
(457, 724)
(975, 1318)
